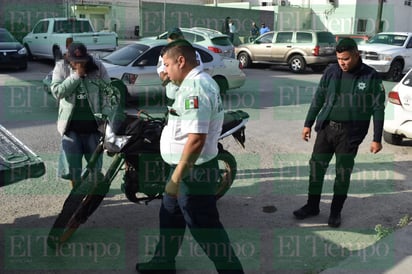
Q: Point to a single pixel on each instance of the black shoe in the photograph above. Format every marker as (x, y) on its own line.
(334, 220)
(153, 267)
(305, 212)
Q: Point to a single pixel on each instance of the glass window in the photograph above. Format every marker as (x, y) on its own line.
(326, 37)
(221, 41)
(41, 27)
(206, 57)
(6, 36)
(284, 37)
(126, 55)
(150, 57)
(199, 38)
(72, 26)
(362, 25)
(189, 37)
(265, 38)
(303, 37)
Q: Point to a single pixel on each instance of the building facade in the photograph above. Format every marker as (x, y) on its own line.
(132, 19)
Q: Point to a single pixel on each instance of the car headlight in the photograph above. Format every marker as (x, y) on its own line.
(22, 51)
(385, 57)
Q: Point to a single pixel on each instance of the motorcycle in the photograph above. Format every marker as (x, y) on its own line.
(135, 148)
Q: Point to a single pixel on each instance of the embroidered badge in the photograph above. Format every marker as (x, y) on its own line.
(192, 102)
(361, 85)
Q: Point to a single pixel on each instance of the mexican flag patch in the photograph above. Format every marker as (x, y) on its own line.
(192, 102)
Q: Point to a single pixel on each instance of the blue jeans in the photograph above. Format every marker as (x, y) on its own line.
(75, 146)
(195, 207)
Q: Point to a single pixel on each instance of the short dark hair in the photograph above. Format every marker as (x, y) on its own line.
(346, 44)
(180, 47)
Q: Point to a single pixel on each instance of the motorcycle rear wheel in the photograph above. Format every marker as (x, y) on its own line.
(228, 169)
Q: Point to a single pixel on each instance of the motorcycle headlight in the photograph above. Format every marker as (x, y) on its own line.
(22, 51)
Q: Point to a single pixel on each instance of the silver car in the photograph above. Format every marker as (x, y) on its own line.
(138, 61)
(296, 49)
(209, 38)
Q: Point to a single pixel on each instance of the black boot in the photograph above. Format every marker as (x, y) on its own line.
(335, 210)
(310, 209)
(156, 267)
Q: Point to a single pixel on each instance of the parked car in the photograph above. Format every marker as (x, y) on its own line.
(50, 37)
(297, 49)
(140, 60)
(209, 38)
(12, 52)
(398, 112)
(359, 38)
(389, 53)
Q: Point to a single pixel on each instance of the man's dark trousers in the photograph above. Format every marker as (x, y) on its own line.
(332, 139)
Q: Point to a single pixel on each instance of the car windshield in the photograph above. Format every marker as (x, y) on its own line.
(388, 39)
(5, 36)
(125, 55)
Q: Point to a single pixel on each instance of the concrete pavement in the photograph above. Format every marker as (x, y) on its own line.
(392, 255)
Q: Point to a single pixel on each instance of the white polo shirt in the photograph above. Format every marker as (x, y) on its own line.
(197, 109)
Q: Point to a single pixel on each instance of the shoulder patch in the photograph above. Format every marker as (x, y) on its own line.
(192, 102)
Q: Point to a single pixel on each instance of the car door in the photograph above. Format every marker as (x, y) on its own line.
(281, 47)
(408, 55)
(39, 40)
(261, 48)
(145, 68)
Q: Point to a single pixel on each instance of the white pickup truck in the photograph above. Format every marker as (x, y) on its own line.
(51, 36)
(390, 53)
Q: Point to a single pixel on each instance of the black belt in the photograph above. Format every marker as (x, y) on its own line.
(338, 125)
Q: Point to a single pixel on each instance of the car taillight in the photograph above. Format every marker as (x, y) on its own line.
(240, 65)
(393, 97)
(316, 51)
(214, 49)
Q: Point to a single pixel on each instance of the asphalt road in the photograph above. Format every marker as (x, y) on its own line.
(257, 211)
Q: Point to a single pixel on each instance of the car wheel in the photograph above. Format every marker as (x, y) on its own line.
(244, 59)
(297, 64)
(393, 139)
(395, 72)
(222, 83)
(57, 54)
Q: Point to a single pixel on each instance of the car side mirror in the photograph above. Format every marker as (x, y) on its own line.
(143, 63)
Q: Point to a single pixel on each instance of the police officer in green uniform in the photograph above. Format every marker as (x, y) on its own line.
(348, 95)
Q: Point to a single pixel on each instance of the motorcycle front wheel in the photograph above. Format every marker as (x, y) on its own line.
(80, 205)
(227, 169)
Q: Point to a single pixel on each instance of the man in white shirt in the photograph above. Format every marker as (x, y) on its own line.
(189, 145)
